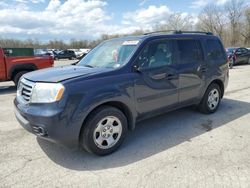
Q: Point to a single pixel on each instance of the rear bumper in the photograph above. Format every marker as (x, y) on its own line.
(48, 122)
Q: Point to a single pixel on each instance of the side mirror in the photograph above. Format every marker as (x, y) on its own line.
(142, 61)
(137, 68)
(7, 52)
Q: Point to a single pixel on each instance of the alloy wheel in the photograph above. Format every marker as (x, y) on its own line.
(107, 132)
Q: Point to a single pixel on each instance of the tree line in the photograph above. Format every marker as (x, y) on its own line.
(230, 22)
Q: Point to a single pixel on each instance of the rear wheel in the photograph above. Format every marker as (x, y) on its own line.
(104, 131)
(17, 77)
(230, 65)
(211, 99)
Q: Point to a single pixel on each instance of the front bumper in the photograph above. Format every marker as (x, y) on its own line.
(49, 122)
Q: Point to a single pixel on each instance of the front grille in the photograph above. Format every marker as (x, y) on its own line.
(25, 89)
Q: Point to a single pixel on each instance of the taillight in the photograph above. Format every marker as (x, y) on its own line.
(52, 61)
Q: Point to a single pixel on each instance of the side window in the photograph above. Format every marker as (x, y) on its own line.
(243, 50)
(157, 54)
(239, 51)
(189, 51)
(215, 50)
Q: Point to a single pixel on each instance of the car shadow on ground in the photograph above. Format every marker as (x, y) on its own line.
(150, 137)
(7, 89)
(242, 65)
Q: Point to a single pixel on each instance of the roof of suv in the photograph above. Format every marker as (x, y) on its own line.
(172, 34)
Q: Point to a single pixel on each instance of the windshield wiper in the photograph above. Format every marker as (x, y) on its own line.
(90, 66)
(75, 63)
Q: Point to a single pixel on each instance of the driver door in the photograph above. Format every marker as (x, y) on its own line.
(156, 83)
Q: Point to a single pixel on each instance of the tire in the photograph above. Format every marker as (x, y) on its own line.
(248, 61)
(211, 99)
(17, 77)
(105, 124)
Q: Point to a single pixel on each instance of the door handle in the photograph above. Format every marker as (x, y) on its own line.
(171, 76)
(203, 69)
(159, 76)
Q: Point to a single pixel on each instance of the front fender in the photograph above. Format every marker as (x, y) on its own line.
(79, 106)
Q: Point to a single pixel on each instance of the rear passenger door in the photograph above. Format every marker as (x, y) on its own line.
(191, 68)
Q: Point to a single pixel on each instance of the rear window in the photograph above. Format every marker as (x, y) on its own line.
(189, 51)
(215, 50)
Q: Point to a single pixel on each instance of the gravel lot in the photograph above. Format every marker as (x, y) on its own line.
(180, 149)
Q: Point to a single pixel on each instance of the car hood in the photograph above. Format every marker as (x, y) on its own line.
(58, 74)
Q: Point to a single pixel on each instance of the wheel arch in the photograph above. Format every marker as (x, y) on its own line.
(21, 67)
(220, 84)
(117, 104)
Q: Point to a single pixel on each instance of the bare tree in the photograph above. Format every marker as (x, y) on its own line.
(235, 11)
(246, 27)
(212, 19)
(176, 21)
(179, 21)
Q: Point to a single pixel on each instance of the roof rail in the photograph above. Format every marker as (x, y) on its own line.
(194, 32)
(163, 31)
(180, 32)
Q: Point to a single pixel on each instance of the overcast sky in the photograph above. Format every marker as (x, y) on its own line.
(80, 19)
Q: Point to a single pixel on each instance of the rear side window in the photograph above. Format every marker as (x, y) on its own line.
(215, 50)
(189, 51)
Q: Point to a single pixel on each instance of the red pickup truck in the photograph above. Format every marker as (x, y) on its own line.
(12, 68)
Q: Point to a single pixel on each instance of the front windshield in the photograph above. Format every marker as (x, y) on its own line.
(110, 54)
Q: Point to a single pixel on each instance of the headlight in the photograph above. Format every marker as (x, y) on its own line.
(47, 92)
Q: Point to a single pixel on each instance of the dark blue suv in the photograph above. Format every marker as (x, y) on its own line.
(120, 82)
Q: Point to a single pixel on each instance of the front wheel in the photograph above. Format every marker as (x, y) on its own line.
(211, 99)
(104, 130)
(18, 76)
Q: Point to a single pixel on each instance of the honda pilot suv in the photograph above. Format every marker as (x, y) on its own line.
(95, 102)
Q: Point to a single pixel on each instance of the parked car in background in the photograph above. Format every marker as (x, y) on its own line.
(84, 53)
(44, 52)
(78, 52)
(85, 50)
(65, 54)
(14, 63)
(242, 55)
(82, 56)
(120, 82)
